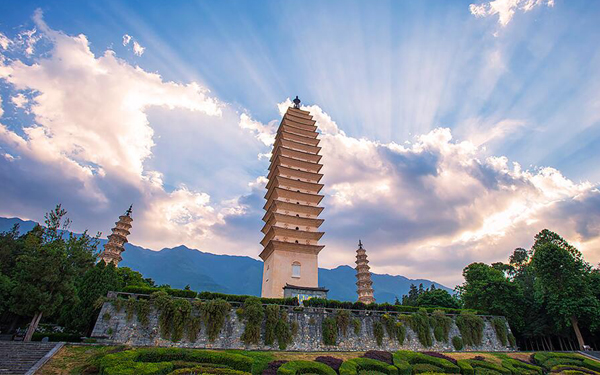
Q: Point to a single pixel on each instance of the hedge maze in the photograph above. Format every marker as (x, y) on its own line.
(178, 361)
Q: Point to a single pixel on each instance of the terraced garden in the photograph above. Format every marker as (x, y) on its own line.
(110, 360)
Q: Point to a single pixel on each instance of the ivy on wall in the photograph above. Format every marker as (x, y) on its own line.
(420, 324)
(499, 325)
(252, 315)
(213, 315)
(342, 318)
(378, 332)
(272, 317)
(471, 328)
(330, 331)
(441, 325)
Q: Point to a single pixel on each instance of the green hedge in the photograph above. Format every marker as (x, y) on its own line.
(355, 365)
(134, 359)
(565, 368)
(333, 304)
(415, 358)
(421, 368)
(150, 290)
(477, 364)
(242, 298)
(549, 360)
(465, 367)
(305, 367)
(520, 368)
(196, 370)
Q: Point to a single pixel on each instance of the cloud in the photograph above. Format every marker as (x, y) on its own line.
(505, 9)
(19, 100)
(264, 133)
(126, 39)
(138, 50)
(1, 109)
(4, 41)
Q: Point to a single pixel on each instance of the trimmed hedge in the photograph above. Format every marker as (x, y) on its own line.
(421, 368)
(140, 361)
(242, 298)
(566, 368)
(548, 360)
(355, 365)
(196, 370)
(415, 358)
(520, 368)
(333, 304)
(170, 291)
(304, 367)
(478, 364)
(465, 367)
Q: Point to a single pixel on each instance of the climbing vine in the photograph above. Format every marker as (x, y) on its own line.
(253, 314)
(282, 331)
(342, 319)
(294, 327)
(129, 308)
(501, 331)
(162, 301)
(142, 309)
(441, 325)
(390, 325)
(213, 313)
(470, 327)
(193, 327)
(272, 317)
(357, 326)
(420, 324)
(181, 312)
(378, 332)
(330, 331)
(400, 332)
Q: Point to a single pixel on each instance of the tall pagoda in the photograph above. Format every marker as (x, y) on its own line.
(116, 241)
(291, 231)
(363, 276)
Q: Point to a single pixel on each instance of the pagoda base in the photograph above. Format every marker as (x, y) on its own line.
(303, 293)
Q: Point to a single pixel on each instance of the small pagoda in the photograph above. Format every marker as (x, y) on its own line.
(116, 241)
(291, 231)
(363, 276)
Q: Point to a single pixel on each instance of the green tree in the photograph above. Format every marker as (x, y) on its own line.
(437, 298)
(44, 273)
(563, 283)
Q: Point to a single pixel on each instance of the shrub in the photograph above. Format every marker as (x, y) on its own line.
(499, 325)
(571, 369)
(142, 309)
(332, 362)
(441, 325)
(520, 368)
(272, 367)
(149, 290)
(196, 370)
(330, 330)
(457, 342)
(478, 364)
(303, 367)
(378, 332)
(420, 368)
(419, 323)
(293, 301)
(355, 365)
(342, 319)
(420, 358)
(272, 317)
(465, 367)
(440, 355)
(106, 316)
(333, 304)
(57, 336)
(357, 325)
(253, 317)
(471, 328)
(380, 355)
(213, 315)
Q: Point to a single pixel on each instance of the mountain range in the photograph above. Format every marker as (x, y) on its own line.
(180, 266)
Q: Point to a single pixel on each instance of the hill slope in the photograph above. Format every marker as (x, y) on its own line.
(180, 266)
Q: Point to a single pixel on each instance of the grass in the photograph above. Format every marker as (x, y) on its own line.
(73, 359)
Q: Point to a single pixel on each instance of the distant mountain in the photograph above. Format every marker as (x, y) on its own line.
(180, 266)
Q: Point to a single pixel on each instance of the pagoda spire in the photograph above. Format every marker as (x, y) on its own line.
(363, 276)
(291, 230)
(116, 241)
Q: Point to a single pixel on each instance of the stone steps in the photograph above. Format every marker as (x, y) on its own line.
(17, 358)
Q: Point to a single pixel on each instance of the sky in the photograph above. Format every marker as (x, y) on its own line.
(451, 131)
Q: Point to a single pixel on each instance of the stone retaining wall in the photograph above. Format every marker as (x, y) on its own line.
(118, 330)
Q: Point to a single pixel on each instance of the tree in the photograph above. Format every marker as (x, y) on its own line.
(563, 282)
(411, 298)
(488, 289)
(44, 273)
(437, 298)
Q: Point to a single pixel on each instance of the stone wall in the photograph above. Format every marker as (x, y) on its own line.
(116, 329)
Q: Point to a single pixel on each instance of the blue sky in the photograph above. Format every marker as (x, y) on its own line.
(424, 106)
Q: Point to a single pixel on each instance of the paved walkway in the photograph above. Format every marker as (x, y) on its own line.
(19, 358)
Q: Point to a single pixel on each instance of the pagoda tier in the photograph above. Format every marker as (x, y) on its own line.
(291, 230)
(363, 276)
(117, 240)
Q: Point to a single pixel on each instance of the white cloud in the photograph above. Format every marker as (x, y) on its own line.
(505, 9)
(264, 133)
(138, 49)
(4, 41)
(126, 39)
(19, 100)
(1, 109)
